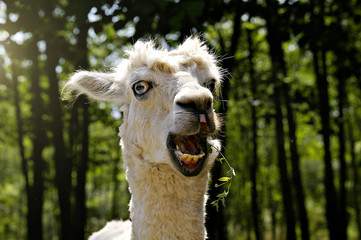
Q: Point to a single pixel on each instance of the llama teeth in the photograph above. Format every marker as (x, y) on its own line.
(183, 157)
(195, 159)
(179, 154)
(188, 158)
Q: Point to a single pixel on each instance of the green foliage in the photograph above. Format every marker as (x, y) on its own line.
(223, 181)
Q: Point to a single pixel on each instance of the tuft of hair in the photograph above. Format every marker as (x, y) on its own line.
(147, 54)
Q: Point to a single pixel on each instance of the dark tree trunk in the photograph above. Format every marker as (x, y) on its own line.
(296, 172)
(74, 143)
(320, 68)
(36, 196)
(74, 132)
(81, 169)
(272, 205)
(20, 131)
(356, 181)
(215, 223)
(82, 166)
(342, 149)
(331, 197)
(254, 164)
(63, 164)
(20, 139)
(273, 210)
(282, 165)
(276, 53)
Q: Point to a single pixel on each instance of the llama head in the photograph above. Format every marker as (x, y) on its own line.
(167, 102)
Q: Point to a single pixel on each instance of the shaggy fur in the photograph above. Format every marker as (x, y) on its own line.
(168, 196)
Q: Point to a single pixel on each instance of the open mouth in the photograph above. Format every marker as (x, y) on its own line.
(189, 152)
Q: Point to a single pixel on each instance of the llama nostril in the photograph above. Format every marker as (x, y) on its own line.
(189, 106)
(198, 105)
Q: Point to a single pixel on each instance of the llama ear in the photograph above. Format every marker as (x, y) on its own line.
(97, 85)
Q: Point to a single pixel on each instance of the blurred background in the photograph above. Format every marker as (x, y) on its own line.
(291, 106)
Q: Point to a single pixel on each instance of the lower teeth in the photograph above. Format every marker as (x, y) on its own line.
(188, 158)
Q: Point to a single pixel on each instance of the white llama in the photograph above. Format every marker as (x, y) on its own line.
(167, 136)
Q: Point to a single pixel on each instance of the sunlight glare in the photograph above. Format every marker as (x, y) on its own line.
(2, 13)
(20, 37)
(3, 35)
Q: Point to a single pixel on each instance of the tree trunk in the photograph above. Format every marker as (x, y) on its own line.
(20, 131)
(296, 172)
(282, 165)
(278, 64)
(36, 196)
(215, 223)
(331, 197)
(273, 210)
(254, 164)
(63, 164)
(20, 139)
(320, 68)
(356, 181)
(82, 166)
(269, 191)
(342, 149)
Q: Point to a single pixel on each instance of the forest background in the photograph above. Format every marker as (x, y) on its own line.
(291, 106)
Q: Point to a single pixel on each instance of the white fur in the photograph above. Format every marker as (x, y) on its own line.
(165, 204)
(114, 230)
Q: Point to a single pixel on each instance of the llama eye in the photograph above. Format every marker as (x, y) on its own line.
(211, 85)
(141, 87)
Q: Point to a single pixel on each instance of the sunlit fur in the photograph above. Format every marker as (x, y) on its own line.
(165, 204)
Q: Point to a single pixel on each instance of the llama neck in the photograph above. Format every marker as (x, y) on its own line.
(166, 204)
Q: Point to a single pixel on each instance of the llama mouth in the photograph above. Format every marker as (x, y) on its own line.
(189, 152)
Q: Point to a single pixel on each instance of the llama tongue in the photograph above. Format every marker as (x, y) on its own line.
(188, 145)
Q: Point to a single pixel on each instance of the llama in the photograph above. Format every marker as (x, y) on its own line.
(167, 136)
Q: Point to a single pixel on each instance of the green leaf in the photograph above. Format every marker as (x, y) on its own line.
(224, 179)
(221, 195)
(220, 160)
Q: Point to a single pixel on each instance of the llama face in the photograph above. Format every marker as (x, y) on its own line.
(167, 101)
(193, 123)
(178, 117)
